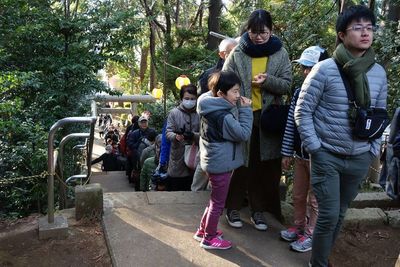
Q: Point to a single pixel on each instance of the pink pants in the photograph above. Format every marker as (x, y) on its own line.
(219, 191)
(304, 200)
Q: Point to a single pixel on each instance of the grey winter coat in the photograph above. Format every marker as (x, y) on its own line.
(233, 127)
(321, 113)
(179, 120)
(278, 83)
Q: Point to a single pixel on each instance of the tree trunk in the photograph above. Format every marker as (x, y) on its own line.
(143, 62)
(214, 10)
(345, 4)
(177, 9)
(393, 13)
(168, 27)
(371, 5)
(153, 81)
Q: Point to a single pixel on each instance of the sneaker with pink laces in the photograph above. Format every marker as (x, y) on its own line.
(215, 243)
(291, 234)
(198, 236)
(303, 244)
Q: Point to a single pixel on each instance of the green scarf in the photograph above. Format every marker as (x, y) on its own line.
(355, 70)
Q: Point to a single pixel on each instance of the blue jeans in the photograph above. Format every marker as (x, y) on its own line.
(335, 180)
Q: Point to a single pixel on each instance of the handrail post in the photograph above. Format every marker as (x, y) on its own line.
(61, 161)
(50, 158)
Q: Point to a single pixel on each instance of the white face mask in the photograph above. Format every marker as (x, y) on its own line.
(189, 104)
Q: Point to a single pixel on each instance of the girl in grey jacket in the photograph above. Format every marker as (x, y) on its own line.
(223, 130)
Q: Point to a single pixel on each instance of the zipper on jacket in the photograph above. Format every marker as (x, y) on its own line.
(234, 152)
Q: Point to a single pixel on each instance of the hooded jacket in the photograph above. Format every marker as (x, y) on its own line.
(223, 130)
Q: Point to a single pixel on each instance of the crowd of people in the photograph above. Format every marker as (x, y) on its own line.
(239, 161)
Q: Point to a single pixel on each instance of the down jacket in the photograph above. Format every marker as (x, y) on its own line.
(223, 130)
(321, 113)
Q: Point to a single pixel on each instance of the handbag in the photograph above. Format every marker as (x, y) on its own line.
(368, 123)
(191, 156)
(273, 118)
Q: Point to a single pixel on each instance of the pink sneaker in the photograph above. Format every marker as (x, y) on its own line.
(215, 243)
(198, 236)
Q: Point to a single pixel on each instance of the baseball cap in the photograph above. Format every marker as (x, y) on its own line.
(143, 118)
(311, 56)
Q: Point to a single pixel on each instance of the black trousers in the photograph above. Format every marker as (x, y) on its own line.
(260, 180)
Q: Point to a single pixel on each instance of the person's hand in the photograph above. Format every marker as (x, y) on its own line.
(245, 102)
(179, 137)
(286, 161)
(259, 79)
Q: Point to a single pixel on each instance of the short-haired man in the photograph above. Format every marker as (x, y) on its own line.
(339, 161)
(224, 48)
(134, 140)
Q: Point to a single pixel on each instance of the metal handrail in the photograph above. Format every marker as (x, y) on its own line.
(61, 161)
(50, 154)
(65, 140)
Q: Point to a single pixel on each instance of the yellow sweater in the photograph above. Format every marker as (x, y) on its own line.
(258, 65)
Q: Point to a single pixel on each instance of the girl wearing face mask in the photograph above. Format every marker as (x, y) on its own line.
(182, 128)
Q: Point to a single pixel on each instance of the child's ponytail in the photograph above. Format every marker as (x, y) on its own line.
(222, 81)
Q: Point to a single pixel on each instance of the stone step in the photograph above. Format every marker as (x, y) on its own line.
(393, 218)
(373, 200)
(365, 217)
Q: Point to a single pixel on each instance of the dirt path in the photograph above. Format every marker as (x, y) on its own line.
(367, 246)
(20, 246)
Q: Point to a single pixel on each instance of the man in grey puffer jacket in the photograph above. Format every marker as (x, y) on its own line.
(338, 160)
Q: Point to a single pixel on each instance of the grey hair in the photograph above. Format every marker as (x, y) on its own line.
(158, 139)
(224, 44)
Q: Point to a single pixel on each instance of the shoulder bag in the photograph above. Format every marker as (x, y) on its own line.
(273, 118)
(368, 123)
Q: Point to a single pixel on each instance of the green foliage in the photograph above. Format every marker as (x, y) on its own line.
(23, 145)
(387, 48)
(191, 61)
(157, 112)
(48, 63)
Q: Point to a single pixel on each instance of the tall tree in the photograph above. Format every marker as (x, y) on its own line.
(214, 14)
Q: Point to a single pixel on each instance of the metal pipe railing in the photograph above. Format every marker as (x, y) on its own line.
(75, 177)
(63, 193)
(65, 140)
(50, 153)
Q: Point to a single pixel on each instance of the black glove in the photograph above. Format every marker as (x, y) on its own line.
(188, 136)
